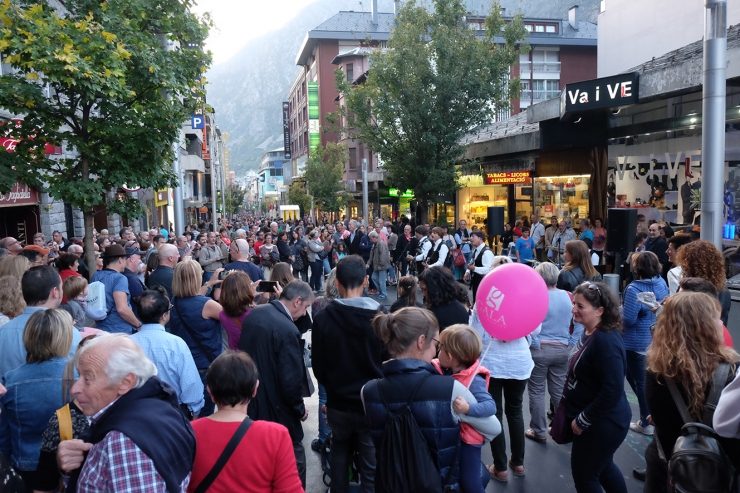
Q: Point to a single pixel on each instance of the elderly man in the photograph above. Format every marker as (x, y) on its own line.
(274, 229)
(138, 439)
(42, 289)
(210, 257)
(60, 240)
(353, 239)
(380, 261)
(656, 243)
(274, 343)
(170, 353)
(241, 260)
(184, 248)
(562, 236)
(13, 246)
(165, 271)
(135, 286)
(120, 316)
(127, 234)
(82, 269)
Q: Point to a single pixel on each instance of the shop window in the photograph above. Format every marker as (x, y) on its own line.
(562, 196)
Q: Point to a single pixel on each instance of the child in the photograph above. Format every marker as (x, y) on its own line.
(524, 247)
(340, 251)
(460, 347)
(512, 248)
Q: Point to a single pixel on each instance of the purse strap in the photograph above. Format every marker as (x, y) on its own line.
(64, 416)
(225, 456)
(191, 333)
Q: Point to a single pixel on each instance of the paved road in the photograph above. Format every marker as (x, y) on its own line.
(547, 465)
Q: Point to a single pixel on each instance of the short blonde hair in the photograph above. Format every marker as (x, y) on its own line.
(73, 287)
(14, 265)
(12, 303)
(462, 342)
(187, 279)
(48, 334)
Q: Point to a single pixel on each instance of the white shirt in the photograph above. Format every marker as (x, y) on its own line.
(674, 279)
(425, 245)
(443, 251)
(538, 231)
(486, 260)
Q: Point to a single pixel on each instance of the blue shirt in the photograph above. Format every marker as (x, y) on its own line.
(254, 272)
(114, 283)
(13, 352)
(587, 234)
(525, 247)
(174, 362)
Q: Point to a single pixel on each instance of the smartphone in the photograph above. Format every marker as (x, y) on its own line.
(267, 286)
(222, 275)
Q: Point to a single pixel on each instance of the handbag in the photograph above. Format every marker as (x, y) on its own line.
(561, 430)
(458, 259)
(225, 456)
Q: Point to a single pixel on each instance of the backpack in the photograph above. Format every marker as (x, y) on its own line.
(97, 307)
(698, 461)
(405, 463)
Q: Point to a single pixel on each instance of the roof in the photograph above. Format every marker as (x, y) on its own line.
(349, 25)
(359, 51)
(516, 125)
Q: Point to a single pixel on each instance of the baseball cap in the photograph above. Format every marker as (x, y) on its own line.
(36, 248)
(133, 251)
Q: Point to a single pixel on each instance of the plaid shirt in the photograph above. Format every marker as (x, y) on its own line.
(117, 465)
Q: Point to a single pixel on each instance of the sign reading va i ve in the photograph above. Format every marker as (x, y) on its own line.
(607, 92)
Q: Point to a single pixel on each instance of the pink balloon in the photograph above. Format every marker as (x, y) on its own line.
(511, 301)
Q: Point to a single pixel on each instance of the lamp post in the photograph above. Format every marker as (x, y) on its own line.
(364, 190)
(713, 120)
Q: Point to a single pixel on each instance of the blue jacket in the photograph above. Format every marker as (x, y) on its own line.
(431, 407)
(636, 317)
(34, 394)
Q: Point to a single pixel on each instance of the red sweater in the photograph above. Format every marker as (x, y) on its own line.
(262, 463)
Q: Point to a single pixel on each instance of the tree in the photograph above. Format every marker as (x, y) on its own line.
(436, 82)
(234, 196)
(324, 170)
(96, 78)
(297, 196)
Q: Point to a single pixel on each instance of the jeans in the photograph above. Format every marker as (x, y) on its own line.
(474, 476)
(513, 394)
(327, 265)
(551, 366)
(391, 272)
(592, 458)
(636, 379)
(300, 460)
(207, 276)
(379, 280)
(317, 268)
(209, 406)
(350, 431)
(460, 271)
(323, 429)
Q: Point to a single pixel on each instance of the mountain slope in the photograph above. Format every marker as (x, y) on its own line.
(247, 90)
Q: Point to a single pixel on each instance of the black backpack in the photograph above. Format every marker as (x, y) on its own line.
(698, 462)
(405, 464)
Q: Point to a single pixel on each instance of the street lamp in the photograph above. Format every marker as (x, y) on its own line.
(364, 190)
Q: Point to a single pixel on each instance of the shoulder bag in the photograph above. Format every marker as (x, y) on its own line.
(225, 456)
(561, 430)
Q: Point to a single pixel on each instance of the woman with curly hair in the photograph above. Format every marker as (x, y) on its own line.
(687, 348)
(701, 258)
(440, 291)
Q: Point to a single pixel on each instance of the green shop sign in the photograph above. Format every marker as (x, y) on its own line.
(394, 192)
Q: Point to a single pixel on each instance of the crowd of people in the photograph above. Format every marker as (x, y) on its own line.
(177, 360)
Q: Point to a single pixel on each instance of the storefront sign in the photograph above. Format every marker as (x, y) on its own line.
(394, 192)
(286, 130)
(161, 198)
(507, 178)
(19, 195)
(607, 92)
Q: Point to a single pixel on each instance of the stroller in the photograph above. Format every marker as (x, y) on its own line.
(354, 475)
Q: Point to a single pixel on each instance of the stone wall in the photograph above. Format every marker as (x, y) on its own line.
(52, 216)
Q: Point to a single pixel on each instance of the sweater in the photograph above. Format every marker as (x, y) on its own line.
(451, 313)
(636, 317)
(345, 352)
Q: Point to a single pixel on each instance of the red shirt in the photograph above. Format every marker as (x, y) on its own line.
(66, 274)
(263, 462)
(726, 336)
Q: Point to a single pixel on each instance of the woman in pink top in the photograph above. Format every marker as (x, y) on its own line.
(236, 298)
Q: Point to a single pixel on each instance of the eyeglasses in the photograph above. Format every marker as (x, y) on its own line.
(170, 308)
(437, 344)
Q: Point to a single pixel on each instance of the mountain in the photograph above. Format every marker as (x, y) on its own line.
(247, 90)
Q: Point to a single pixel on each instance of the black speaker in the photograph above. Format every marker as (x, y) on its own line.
(621, 230)
(495, 222)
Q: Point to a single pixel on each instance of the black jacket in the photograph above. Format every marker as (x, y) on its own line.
(272, 340)
(284, 251)
(346, 354)
(659, 247)
(161, 276)
(403, 248)
(450, 314)
(354, 246)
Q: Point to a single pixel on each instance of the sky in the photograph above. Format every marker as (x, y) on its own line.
(239, 21)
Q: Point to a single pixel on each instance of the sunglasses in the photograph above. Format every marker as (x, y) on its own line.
(592, 287)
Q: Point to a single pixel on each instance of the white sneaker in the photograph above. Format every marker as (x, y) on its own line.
(645, 430)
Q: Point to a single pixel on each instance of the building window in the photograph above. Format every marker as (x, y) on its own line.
(352, 158)
(350, 70)
(528, 27)
(276, 171)
(550, 29)
(539, 29)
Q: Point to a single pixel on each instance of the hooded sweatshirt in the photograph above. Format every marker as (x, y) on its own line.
(636, 317)
(345, 352)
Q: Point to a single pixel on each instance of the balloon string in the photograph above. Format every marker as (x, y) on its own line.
(480, 362)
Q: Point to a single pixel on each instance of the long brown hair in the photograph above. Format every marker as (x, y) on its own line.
(282, 272)
(688, 344)
(580, 257)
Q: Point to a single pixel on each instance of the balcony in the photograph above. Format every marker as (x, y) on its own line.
(539, 95)
(192, 162)
(539, 67)
(371, 175)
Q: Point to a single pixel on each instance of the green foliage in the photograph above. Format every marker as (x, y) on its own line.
(436, 82)
(297, 196)
(324, 169)
(95, 79)
(235, 196)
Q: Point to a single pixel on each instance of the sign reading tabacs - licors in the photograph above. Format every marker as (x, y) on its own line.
(608, 92)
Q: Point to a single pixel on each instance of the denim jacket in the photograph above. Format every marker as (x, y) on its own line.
(34, 394)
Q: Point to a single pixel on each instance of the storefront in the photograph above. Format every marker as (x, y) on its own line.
(19, 210)
(395, 203)
(160, 216)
